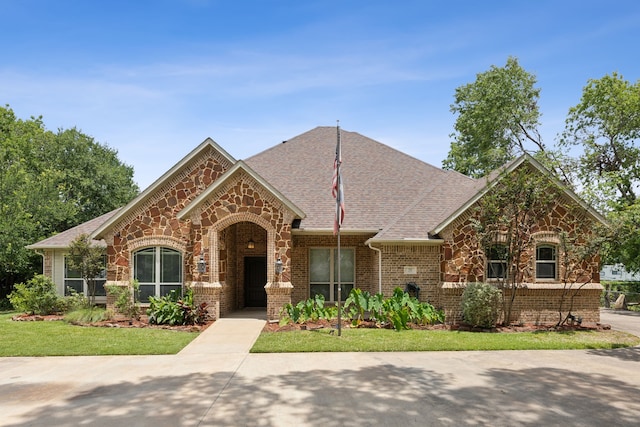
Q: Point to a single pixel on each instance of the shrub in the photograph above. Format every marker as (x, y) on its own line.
(75, 301)
(125, 302)
(481, 305)
(36, 296)
(303, 311)
(173, 310)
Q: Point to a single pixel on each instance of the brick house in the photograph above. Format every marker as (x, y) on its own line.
(220, 225)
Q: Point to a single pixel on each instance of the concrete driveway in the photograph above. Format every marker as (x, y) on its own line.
(206, 387)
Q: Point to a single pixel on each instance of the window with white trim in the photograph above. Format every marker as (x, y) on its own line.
(73, 280)
(497, 262)
(323, 272)
(158, 270)
(546, 262)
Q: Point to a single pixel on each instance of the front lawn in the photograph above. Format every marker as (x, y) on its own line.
(327, 340)
(58, 338)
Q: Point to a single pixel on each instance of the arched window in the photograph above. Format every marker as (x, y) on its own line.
(546, 262)
(158, 270)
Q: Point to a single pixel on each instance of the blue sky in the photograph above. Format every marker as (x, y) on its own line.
(153, 79)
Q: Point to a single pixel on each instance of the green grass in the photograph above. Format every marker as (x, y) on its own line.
(322, 340)
(58, 338)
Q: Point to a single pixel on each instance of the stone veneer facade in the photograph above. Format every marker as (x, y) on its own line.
(537, 300)
(239, 208)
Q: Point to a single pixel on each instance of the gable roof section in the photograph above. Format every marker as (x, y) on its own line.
(64, 239)
(157, 185)
(228, 176)
(496, 176)
(380, 182)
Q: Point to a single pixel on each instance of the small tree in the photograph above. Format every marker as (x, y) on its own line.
(88, 259)
(578, 258)
(506, 218)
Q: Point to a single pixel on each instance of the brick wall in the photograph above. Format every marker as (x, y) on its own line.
(366, 262)
(402, 264)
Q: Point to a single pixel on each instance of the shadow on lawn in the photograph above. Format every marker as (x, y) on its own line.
(373, 395)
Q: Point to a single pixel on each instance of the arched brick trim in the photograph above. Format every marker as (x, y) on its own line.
(165, 241)
(234, 219)
(549, 237)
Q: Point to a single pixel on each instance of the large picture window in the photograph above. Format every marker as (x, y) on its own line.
(497, 262)
(323, 272)
(74, 281)
(546, 262)
(158, 270)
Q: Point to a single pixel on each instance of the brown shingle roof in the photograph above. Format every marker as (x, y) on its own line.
(64, 239)
(384, 188)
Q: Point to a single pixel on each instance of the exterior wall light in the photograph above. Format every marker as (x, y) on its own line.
(279, 267)
(202, 265)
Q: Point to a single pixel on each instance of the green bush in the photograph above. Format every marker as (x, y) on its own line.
(125, 302)
(37, 296)
(75, 301)
(398, 311)
(304, 311)
(173, 310)
(481, 305)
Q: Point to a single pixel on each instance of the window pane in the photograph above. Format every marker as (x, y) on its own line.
(346, 265)
(546, 253)
(100, 290)
(70, 273)
(319, 265)
(545, 270)
(346, 290)
(146, 291)
(144, 266)
(170, 266)
(75, 284)
(321, 290)
(497, 270)
(166, 289)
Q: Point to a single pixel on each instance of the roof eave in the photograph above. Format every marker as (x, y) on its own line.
(405, 241)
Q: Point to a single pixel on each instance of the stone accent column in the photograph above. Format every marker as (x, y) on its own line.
(278, 294)
(211, 294)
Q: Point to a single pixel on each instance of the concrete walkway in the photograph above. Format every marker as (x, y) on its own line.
(230, 335)
(210, 384)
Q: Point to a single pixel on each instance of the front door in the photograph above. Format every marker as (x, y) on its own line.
(255, 277)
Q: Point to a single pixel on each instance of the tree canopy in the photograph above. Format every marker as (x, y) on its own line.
(498, 118)
(49, 182)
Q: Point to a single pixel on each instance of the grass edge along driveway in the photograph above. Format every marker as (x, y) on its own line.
(59, 338)
(355, 340)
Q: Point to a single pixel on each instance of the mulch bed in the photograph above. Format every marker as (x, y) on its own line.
(321, 324)
(143, 322)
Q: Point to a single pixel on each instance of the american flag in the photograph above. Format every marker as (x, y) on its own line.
(337, 189)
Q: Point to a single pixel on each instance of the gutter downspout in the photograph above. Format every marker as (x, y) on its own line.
(379, 265)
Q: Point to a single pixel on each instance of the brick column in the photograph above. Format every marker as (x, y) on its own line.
(209, 293)
(278, 294)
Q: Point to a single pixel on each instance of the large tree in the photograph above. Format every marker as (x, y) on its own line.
(50, 182)
(498, 119)
(606, 126)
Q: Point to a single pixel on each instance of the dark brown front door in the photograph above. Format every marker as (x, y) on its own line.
(255, 277)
